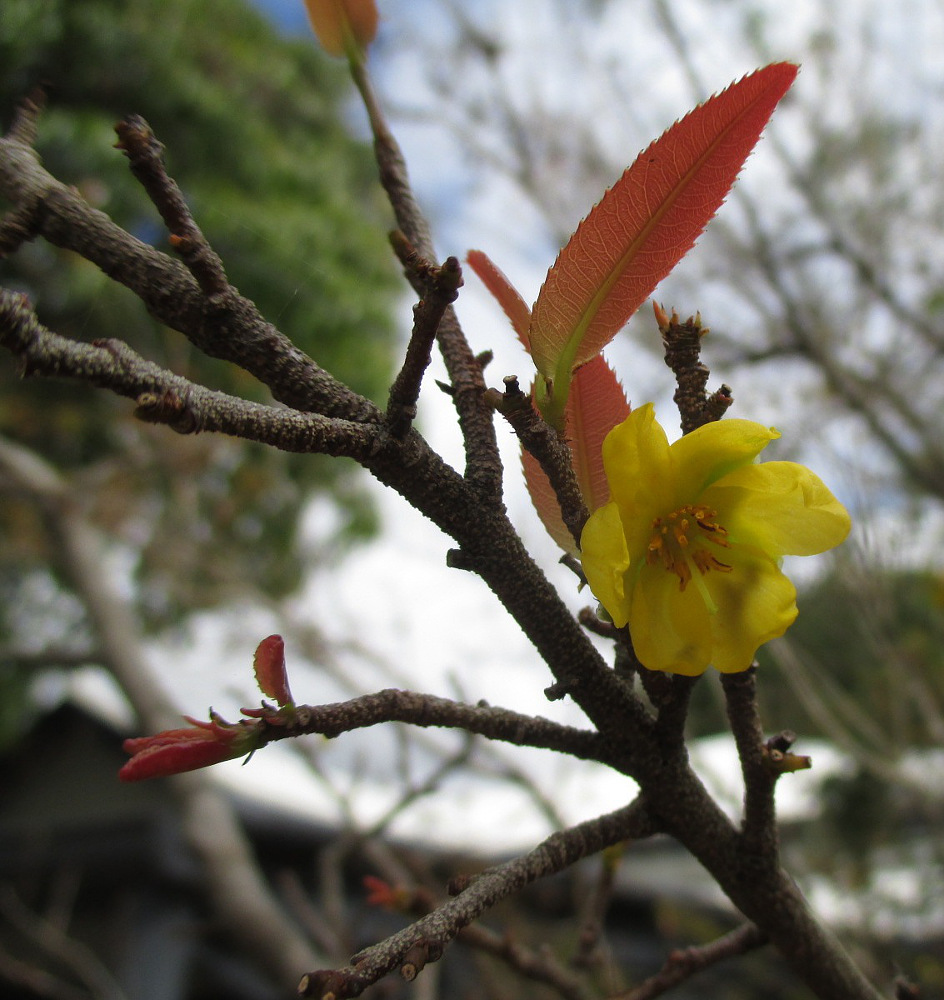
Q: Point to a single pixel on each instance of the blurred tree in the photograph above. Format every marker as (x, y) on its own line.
(882, 637)
(255, 127)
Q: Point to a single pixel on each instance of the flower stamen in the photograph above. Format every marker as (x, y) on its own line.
(677, 542)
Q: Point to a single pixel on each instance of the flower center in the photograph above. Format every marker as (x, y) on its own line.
(679, 543)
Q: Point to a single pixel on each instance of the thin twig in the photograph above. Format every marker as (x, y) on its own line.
(236, 332)
(683, 963)
(545, 444)
(760, 819)
(483, 464)
(537, 965)
(394, 705)
(165, 398)
(682, 343)
(413, 793)
(424, 940)
(590, 952)
(441, 286)
(146, 158)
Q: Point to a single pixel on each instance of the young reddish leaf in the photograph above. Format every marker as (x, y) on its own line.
(545, 503)
(596, 404)
(269, 666)
(177, 750)
(643, 226)
(504, 292)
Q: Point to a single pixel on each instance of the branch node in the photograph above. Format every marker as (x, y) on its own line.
(146, 159)
(682, 342)
(782, 741)
(593, 623)
(459, 883)
(569, 560)
(419, 956)
(168, 408)
(327, 984)
(558, 691)
(460, 559)
(438, 288)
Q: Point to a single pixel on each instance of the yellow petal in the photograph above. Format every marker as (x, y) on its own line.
(605, 561)
(713, 450)
(636, 459)
(671, 629)
(756, 602)
(781, 507)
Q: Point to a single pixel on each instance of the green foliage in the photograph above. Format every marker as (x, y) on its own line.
(873, 647)
(254, 130)
(878, 644)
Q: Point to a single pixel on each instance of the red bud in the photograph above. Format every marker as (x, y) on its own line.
(269, 664)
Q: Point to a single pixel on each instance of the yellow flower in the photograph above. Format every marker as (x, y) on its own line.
(687, 552)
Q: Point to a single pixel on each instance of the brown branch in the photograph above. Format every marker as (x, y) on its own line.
(146, 158)
(682, 343)
(670, 695)
(163, 397)
(234, 330)
(441, 286)
(683, 963)
(410, 467)
(468, 510)
(545, 444)
(760, 818)
(424, 940)
(483, 464)
(426, 710)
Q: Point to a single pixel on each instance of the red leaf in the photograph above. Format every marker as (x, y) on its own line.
(174, 751)
(545, 503)
(645, 224)
(505, 293)
(269, 665)
(595, 406)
